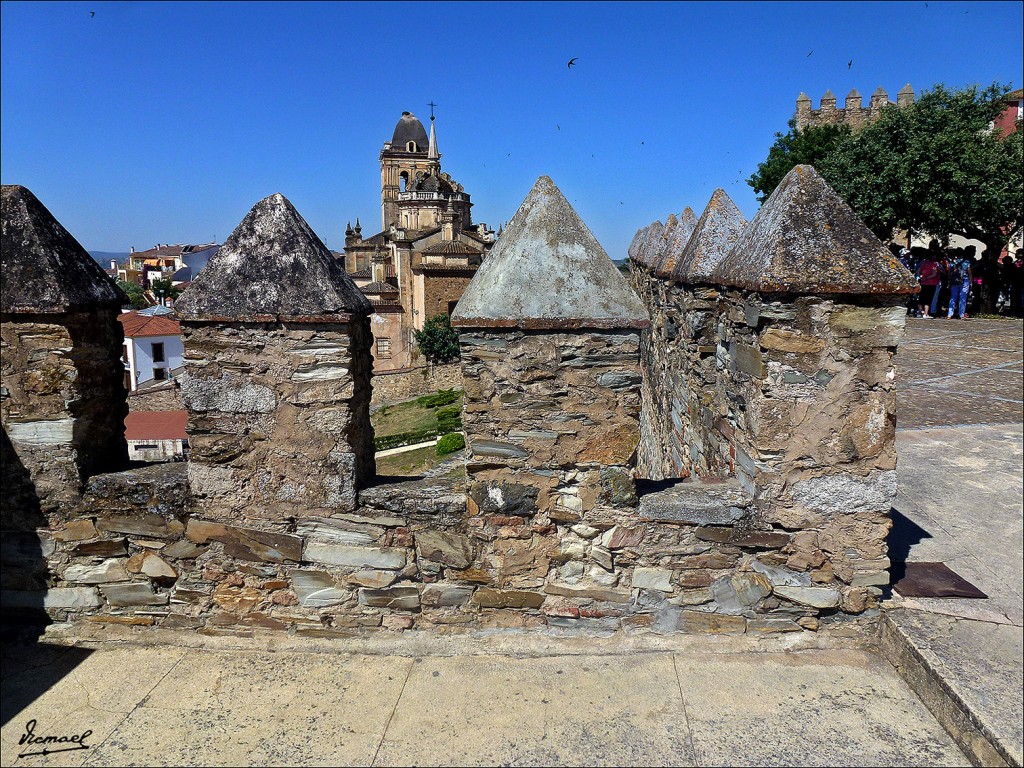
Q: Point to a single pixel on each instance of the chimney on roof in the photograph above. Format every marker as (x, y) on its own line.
(133, 249)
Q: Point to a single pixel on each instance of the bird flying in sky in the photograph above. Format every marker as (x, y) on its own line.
(572, 61)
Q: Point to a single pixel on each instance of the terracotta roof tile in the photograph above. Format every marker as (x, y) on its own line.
(156, 425)
(136, 325)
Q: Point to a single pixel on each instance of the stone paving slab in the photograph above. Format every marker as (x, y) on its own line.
(580, 710)
(953, 372)
(961, 502)
(736, 706)
(172, 707)
(969, 675)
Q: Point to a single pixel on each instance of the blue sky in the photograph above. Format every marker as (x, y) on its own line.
(153, 122)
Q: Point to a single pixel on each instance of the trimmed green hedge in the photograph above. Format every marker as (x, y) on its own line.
(450, 444)
(449, 419)
(443, 397)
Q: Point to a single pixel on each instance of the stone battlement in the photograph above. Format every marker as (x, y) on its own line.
(853, 113)
(709, 449)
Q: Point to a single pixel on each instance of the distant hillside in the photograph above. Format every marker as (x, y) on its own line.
(103, 257)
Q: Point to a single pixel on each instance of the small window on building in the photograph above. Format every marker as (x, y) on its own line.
(451, 307)
(158, 352)
(411, 146)
(383, 347)
(159, 374)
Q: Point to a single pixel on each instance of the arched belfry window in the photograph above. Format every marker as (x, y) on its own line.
(411, 146)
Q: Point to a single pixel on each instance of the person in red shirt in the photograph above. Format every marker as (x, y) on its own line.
(929, 275)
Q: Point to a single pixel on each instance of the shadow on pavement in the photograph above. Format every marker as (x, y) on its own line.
(903, 535)
(28, 668)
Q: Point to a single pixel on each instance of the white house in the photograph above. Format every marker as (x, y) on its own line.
(152, 348)
(156, 435)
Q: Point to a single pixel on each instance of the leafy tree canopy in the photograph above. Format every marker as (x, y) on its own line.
(134, 294)
(163, 288)
(797, 147)
(935, 166)
(438, 341)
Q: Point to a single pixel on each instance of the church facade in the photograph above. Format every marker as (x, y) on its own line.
(427, 250)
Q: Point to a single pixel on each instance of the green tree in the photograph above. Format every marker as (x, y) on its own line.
(438, 341)
(809, 146)
(935, 167)
(134, 294)
(163, 289)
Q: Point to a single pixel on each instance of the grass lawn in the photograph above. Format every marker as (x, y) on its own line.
(406, 417)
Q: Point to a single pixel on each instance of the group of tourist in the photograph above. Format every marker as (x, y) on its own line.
(956, 283)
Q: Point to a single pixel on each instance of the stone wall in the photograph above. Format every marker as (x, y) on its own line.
(278, 417)
(770, 409)
(777, 373)
(63, 399)
(852, 113)
(162, 397)
(545, 414)
(439, 288)
(405, 384)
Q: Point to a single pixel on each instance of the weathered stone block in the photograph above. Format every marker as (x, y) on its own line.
(142, 525)
(486, 597)
(652, 578)
(109, 570)
(247, 543)
(815, 597)
(781, 340)
(132, 593)
(695, 504)
(445, 595)
(711, 623)
(504, 498)
(316, 589)
(387, 558)
(747, 359)
(444, 547)
(397, 598)
(101, 548)
(589, 591)
(374, 579)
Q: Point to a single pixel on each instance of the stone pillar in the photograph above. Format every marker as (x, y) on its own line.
(278, 363)
(550, 359)
(811, 313)
(62, 398)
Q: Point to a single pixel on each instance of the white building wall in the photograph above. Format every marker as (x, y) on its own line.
(140, 353)
(155, 450)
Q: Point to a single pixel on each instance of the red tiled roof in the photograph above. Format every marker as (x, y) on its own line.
(136, 325)
(456, 247)
(379, 288)
(155, 425)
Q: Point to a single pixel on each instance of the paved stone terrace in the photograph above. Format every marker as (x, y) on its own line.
(961, 454)
(173, 706)
(955, 372)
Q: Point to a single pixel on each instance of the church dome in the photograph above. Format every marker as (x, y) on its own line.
(409, 129)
